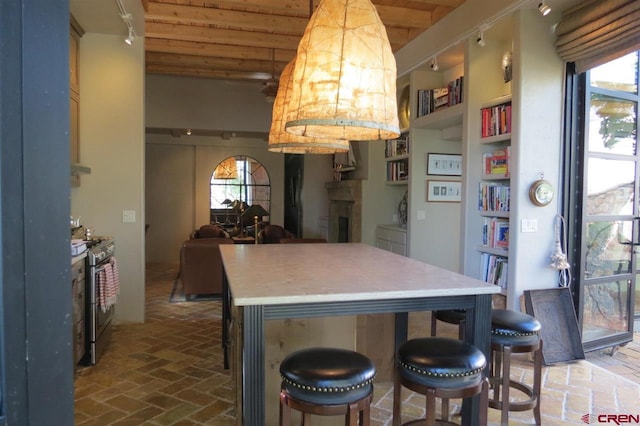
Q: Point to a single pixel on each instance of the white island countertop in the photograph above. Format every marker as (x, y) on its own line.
(312, 273)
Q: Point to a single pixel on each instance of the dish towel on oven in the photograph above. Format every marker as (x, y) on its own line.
(109, 282)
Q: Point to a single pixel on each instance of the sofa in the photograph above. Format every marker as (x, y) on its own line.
(200, 261)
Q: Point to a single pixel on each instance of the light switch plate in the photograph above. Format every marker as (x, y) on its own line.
(128, 216)
(529, 225)
(421, 215)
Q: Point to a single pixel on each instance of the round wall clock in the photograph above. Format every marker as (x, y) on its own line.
(541, 192)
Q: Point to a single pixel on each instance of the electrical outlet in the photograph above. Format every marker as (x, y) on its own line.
(421, 215)
(128, 216)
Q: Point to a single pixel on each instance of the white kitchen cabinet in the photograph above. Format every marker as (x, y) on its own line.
(392, 238)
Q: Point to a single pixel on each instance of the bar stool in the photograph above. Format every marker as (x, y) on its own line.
(439, 367)
(326, 382)
(514, 332)
(450, 316)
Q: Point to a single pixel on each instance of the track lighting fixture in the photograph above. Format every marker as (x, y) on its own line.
(130, 37)
(127, 18)
(480, 39)
(434, 64)
(544, 8)
(188, 132)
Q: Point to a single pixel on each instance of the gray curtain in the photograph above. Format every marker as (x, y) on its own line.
(598, 31)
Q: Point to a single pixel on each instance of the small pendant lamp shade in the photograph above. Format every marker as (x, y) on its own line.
(281, 141)
(226, 169)
(344, 80)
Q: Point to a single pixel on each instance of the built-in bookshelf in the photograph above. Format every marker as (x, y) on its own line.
(432, 100)
(396, 155)
(494, 192)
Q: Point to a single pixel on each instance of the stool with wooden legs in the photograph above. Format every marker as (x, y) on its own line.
(438, 367)
(450, 316)
(514, 332)
(327, 382)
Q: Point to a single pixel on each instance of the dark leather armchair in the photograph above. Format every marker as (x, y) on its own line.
(272, 234)
(201, 266)
(209, 231)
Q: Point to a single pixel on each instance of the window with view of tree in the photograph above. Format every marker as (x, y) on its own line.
(609, 204)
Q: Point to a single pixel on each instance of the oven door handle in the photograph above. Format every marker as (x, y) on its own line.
(100, 269)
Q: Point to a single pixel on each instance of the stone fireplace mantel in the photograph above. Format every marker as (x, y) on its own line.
(345, 211)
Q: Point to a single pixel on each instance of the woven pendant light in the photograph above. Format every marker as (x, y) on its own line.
(281, 141)
(344, 84)
(226, 169)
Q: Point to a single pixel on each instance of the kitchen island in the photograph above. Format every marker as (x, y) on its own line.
(275, 281)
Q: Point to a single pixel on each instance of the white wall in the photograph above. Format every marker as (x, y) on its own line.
(177, 186)
(112, 145)
(201, 103)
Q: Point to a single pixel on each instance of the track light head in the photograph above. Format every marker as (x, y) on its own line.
(434, 65)
(480, 39)
(544, 8)
(130, 37)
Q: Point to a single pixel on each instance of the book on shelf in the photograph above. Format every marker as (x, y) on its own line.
(494, 197)
(397, 170)
(495, 233)
(396, 147)
(494, 269)
(497, 162)
(431, 100)
(496, 120)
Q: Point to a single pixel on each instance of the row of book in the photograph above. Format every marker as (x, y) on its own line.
(398, 170)
(396, 147)
(496, 120)
(431, 100)
(494, 269)
(496, 163)
(494, 197)
(495, 233)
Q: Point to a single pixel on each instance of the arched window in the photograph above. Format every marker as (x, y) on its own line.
(237, 183)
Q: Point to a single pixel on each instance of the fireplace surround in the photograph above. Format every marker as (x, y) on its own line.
(345, 211)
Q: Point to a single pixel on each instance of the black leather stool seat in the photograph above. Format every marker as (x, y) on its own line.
(451, 316)
(440, 362)
(327, 376)
(514, 328)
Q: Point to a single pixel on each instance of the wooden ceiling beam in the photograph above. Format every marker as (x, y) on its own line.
(221, 36)
(218, 50)
(230, 65)
(204, 72)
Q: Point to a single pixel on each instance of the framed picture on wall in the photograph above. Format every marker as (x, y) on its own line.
(444, 191)
(444, 164)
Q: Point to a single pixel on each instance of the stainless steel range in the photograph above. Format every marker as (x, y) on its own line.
(100, 256)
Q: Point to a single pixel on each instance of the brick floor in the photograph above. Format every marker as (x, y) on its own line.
(168, 371)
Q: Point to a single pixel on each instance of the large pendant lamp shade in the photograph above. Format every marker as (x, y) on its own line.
(344, 80)
(281, 141)
(226, 169)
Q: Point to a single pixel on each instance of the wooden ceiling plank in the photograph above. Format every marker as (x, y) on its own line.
(224, 18)
(299, 8)
(399, 16)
